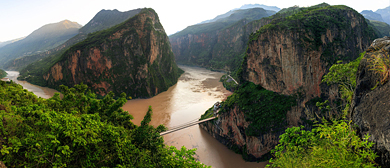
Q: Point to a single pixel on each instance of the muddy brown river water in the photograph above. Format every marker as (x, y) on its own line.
(196, 91)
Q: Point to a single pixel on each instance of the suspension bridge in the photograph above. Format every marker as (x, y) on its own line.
(193, 122)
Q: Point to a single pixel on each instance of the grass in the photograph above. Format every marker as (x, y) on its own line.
(380, 63)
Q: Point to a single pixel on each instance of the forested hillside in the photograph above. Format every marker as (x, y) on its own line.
(133, 57)
(104, 19)
(79, 130)
(281, 79)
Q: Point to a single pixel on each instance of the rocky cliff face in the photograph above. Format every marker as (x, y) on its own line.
(284, 59)
(370, 107)
(133, 57)
(289, 56)
(218, 44)
(102, 20)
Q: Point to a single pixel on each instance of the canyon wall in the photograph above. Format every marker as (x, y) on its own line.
(289, 56)
(370, 105)
(133, 57)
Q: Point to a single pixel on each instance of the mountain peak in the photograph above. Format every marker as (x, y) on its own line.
(247, 6)
(69, 24)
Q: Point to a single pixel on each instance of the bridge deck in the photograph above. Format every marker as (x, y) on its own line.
(186, 126)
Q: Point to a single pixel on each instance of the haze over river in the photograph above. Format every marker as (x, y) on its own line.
(195, 92)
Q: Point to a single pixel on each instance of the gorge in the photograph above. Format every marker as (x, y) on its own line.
(300, 71)
(288, 56)
(196, 90)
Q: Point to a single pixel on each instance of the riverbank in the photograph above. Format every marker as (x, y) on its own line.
(196, 91)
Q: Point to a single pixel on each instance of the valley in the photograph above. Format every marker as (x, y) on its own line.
(299, 85)
(196, 90)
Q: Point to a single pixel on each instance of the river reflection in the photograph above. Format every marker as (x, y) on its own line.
(196, 91)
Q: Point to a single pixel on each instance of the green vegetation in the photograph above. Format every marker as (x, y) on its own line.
(79, 131)
(228, 83)
(2, 74)
(266, 110)
(103, 20)
(131, 71)
(223, 41)
(249, 14)
(383, 28)
(330, 144)
(209, 113)
(345, 76)
(380, 64)
(313, 22)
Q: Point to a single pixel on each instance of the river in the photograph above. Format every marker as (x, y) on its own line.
(196, 91)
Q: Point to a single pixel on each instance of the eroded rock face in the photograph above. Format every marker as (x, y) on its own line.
(370, 109)
(229, 129)
(218, 49)
(291, 58)
(280, 61)
(134, 57)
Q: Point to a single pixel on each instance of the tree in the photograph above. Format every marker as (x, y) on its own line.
(79, 130)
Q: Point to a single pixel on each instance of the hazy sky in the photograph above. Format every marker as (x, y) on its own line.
(19, 18)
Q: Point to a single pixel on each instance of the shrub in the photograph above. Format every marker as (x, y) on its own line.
(79, 130)
(380, 63)
(329, 145)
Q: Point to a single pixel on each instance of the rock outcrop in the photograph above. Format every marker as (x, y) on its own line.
(370, 109)
(289, 56)
(133, 57)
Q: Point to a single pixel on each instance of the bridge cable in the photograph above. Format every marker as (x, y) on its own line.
(184, 124)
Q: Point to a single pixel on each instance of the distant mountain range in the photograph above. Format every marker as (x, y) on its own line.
(385, 14)
(370, 15)
(44, 38)
(104, 19)
(219, 43)
(382, 15)
(132, 57)
(380, 19)
(247, 6)
(2, 44)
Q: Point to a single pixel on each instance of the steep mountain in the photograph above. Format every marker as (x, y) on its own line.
(370, 15)
(385, 14)
(215, 44)
(44, 38)
(2, 44)
(104, 19)
(370, 106)
(271, 9)
(133, 57)
(281, 76)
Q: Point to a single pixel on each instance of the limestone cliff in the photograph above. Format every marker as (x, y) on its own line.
(102, 20)
(370, 105)
(133, 57)
(218, 44)
(289, 56)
